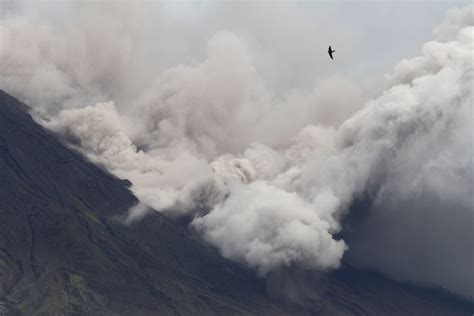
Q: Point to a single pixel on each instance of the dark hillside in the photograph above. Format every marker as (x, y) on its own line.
(63, 251)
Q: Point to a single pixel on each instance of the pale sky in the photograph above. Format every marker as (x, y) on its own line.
(288, 40)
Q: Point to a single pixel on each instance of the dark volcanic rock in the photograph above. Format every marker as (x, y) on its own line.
(63, 251)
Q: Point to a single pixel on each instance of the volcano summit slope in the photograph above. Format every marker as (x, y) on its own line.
(65, 250)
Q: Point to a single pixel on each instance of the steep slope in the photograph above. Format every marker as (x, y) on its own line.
(61, 251)
(64, 251)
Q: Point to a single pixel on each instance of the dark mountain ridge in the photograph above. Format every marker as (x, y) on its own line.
(63, 251)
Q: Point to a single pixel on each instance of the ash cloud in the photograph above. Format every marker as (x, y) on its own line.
(266, 177)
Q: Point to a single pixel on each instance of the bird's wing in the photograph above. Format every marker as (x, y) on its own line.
(329, 49)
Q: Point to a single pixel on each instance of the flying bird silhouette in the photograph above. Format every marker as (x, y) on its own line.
(330, 51)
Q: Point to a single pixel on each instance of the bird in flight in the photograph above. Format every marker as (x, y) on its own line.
(330, 51)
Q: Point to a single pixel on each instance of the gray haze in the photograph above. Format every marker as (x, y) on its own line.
(233, 114)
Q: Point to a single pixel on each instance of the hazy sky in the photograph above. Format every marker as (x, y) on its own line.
(290, 39)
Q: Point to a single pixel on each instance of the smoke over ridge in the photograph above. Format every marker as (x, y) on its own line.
(266, 178)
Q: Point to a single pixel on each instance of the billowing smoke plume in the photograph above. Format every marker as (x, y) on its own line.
(420, 227)
(266, 178)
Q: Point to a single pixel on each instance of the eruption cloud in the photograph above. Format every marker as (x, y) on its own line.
(266, 178)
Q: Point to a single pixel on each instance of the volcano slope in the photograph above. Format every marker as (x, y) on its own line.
(63, 249)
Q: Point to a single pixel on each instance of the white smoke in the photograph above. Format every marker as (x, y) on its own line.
(421, 224)
(266, 177)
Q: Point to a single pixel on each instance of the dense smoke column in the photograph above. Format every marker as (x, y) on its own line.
(199, 140)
